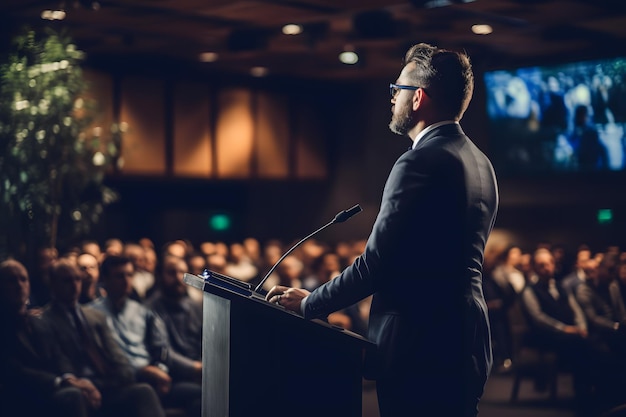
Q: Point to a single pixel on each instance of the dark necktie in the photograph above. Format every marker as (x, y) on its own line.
(96, 359)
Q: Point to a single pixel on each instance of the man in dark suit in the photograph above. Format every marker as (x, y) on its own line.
(35, 378)
(423, 259)
(85, 338)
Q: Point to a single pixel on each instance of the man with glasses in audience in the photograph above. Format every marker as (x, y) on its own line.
(423, 259)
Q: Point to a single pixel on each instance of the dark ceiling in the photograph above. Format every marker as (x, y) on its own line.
(247, 33)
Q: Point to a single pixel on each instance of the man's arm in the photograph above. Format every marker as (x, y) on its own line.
(537, 316)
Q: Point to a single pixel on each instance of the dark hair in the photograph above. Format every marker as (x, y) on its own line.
(112, 261)
(10, 267)
(446, 76)
(62, 267)
(161, 264)
(610, 264)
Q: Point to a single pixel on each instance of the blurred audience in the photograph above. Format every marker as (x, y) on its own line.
(155, 320)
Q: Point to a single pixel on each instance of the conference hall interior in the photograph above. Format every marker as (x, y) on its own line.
(223, 132)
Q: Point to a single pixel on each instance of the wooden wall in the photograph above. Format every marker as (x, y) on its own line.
(190, 129)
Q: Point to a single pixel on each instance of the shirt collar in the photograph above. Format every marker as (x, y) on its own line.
(421, 134)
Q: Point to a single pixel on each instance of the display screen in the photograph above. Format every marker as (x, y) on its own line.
(561, 118)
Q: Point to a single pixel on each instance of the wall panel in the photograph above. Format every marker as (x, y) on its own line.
(142, 107)
(234, 133)
(272, 136)
(192, 131)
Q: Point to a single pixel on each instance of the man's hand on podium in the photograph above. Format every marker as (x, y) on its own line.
(290, 298)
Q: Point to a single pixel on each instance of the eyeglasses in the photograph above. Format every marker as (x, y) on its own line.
(395, 88)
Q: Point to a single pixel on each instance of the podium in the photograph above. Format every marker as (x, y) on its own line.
(261, 359)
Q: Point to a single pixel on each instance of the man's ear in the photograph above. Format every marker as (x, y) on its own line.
(417, 99)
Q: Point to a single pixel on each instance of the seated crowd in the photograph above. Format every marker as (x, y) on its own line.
(105, 330)
(112, 329)
(573, 310)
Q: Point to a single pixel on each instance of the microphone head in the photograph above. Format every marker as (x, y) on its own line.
(342, 216)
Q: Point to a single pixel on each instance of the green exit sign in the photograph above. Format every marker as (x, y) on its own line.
(605, 216)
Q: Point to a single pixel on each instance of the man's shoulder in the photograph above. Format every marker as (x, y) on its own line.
(92, 314)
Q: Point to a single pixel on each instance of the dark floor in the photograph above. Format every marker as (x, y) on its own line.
(496, 400)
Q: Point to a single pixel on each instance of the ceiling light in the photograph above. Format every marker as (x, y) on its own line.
(53, 14)
(292, 29)
(482, 29)
(208, 56)
(349, 57)
(259, 71)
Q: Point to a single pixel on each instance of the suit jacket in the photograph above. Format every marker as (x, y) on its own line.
(571, 281)
(423, 263)
(547, 316)
(118, 369)
(602, 307)
(29, 362)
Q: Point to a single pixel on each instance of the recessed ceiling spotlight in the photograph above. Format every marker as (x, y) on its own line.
(259, 71)
(292, 29)
(53, 14)
(482, 29)
(349, 57)
(208, 56)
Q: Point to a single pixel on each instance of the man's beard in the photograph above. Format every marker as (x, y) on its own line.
(402, 121)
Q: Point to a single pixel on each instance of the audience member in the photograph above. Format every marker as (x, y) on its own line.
(577, 276)
(239, 264)
(253, 251)
(40, 293)
(182, 317)
(197, 263)
(501, 288)
(207, 248)
(602, 303)
(86, 340)
(272, 252)
(506, 273)
(290, 272)
(90, 289)
(92, 247)
(175, 248)
(35, 377)
(143, 338)
(143, 281)
(113, 246)
(557, 324)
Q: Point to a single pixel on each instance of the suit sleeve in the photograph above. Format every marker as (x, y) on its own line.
(409, 179)
(536, 314)
(584, 295)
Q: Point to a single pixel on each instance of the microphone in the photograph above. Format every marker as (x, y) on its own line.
(340, 217)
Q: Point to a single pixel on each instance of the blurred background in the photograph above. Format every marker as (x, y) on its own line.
(265, 118)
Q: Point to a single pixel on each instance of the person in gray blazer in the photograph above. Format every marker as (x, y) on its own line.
(83, 335)
(424, 257)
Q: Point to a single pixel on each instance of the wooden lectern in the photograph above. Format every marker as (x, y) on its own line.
(259, 359)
